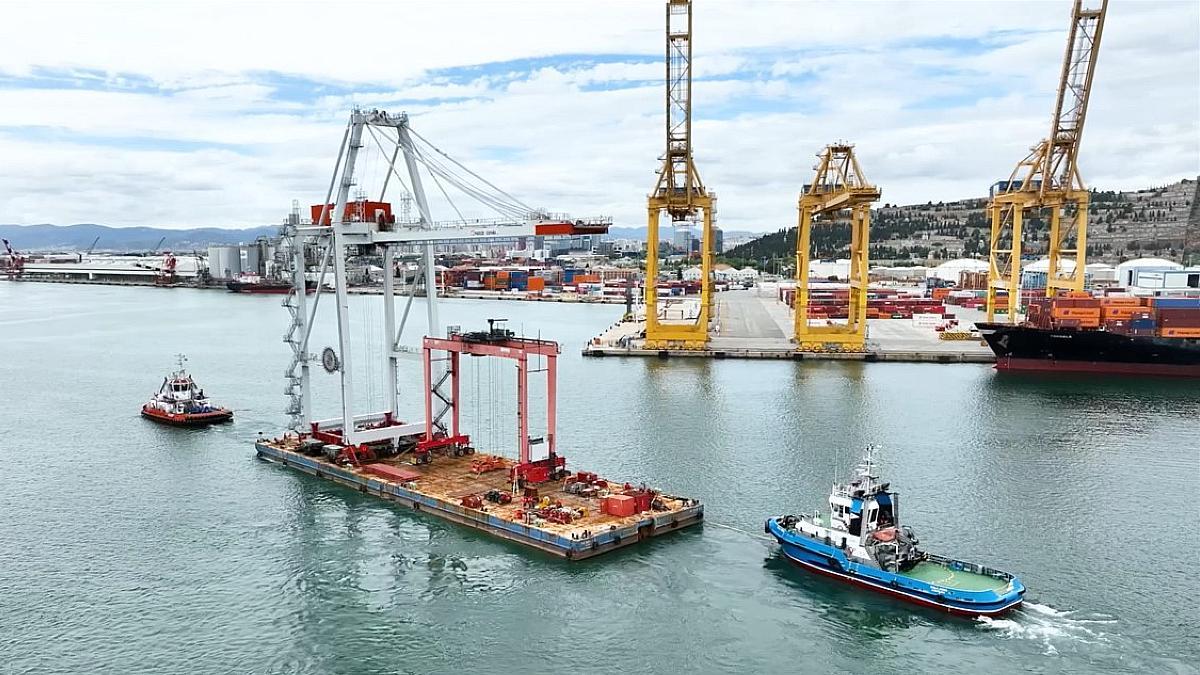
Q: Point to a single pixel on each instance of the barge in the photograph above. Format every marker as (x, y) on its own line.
(448, 488)
(432, 465)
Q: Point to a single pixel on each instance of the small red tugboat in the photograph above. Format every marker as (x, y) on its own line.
(181, 403)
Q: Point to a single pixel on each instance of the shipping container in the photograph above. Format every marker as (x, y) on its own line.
(357, 212)
(1177, 303)
(1191, 332)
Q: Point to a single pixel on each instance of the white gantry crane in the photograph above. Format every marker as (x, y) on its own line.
(343, 224)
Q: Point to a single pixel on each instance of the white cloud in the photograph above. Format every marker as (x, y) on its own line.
(182, 125)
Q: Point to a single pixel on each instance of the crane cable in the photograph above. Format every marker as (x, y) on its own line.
(508, 209)
(483, 180)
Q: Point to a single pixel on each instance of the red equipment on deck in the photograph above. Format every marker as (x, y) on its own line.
(498, 342)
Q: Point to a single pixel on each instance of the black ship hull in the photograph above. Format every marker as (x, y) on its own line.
(1027, 348)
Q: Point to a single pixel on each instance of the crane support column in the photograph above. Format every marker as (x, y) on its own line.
(839, 186)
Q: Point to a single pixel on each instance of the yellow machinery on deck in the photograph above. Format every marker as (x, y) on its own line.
(679, 192)
(1048, 179)
(839, 185)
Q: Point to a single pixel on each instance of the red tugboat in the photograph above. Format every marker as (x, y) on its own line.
(181, 403)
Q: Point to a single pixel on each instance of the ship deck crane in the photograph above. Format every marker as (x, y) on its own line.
(839, 185)
(1048, 178)
(679, 191)
(339, 229)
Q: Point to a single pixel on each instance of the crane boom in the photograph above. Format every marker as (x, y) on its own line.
(679, 183)
(679, 190)
(1049, 179)
(1059, 169)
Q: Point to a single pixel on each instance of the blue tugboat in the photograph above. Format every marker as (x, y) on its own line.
(862, 542)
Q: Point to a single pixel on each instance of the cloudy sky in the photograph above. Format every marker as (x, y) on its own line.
(181, 114)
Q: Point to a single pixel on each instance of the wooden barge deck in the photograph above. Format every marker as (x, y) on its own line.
(438, 488)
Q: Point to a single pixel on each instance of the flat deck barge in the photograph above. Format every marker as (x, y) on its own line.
(441, 487)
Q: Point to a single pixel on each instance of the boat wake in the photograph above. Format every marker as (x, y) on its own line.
(1049, 626)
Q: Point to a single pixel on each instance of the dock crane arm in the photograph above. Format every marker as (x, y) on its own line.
(1060, 170)
(1048, 178)
(679, 191)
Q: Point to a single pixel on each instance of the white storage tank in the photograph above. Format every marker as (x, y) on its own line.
(224, 262)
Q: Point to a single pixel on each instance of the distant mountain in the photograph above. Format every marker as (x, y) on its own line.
(1161, 221)
(29, 238)
(80, 237)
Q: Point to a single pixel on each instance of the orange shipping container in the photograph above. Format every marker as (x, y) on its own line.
(1181, 332)
(1120, 302)
(1077, 313)
(1119, 312)
(537, 283)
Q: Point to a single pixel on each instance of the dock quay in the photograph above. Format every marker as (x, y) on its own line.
(751, 324)
(442, 487)
(796, 355)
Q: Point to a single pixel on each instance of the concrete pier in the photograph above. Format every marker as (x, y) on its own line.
(754, 324)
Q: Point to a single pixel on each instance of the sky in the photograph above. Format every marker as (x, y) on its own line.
(180, 114)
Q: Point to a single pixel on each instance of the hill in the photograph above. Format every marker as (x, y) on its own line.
(1159, 221)
(80, 237)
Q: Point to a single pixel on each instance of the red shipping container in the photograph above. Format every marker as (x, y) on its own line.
(619, 505)
(355, 211)
(642, 499)
(390, 472)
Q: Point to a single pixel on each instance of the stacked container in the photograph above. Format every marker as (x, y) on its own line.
(1178, 317)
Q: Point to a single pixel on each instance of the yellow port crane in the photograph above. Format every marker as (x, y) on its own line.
(839, 186)
(679, 192)
(1048, 179)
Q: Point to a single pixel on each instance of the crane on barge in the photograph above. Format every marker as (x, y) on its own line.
(839, 185)
(340, 227)
(679, 191)
(1048, 179)
(16, 262)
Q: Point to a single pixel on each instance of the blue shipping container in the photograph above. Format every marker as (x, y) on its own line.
(1177, 303)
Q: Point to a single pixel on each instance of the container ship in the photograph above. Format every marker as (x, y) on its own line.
(1077, 332)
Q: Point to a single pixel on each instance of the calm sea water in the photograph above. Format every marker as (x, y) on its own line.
(129, 547)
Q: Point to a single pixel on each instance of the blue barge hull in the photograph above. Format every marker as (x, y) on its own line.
(607, 535)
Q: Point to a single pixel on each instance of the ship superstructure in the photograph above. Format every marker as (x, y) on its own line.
(181, 402)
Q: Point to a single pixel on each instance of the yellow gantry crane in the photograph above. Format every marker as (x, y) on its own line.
(679, 191)
(1048, 178)
(839, 186)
